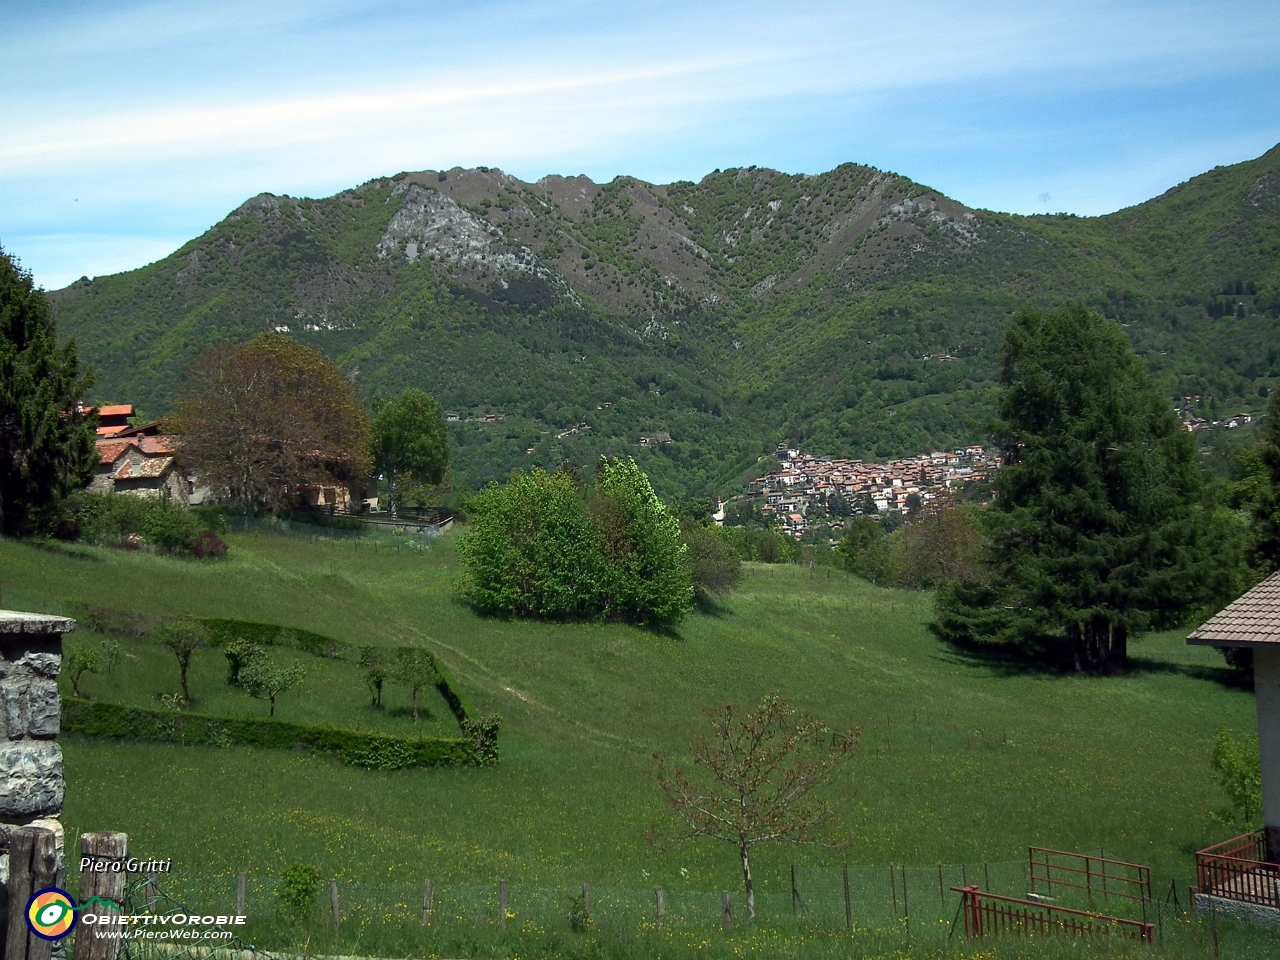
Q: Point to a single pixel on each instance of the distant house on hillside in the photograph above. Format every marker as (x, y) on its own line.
(141, 464)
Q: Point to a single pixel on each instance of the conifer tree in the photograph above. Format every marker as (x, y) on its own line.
(46, 440)
(1266, 510)
(1099, 529)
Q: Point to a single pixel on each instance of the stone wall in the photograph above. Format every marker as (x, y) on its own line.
(31, 778)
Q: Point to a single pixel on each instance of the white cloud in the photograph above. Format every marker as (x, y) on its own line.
(173, 111)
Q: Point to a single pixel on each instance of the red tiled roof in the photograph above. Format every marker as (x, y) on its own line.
(110, 450)
(1252, 621)
(115, 410)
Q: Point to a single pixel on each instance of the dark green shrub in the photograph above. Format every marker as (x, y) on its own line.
(864, 552)
(125, 520)
(714, 566)
(239, 653)
(169, 526)
(532, 551)
(760, 545)
(649, 579)
(483, 732)
(212, 517)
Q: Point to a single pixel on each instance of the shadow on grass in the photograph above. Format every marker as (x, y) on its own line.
(1048, 658)
(71, 550)
(709, 605)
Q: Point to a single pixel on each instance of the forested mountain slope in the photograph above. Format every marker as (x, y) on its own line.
(854, 311)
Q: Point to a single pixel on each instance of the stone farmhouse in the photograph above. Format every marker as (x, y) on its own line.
(142, 464)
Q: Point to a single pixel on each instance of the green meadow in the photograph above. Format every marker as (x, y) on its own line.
(962, 759)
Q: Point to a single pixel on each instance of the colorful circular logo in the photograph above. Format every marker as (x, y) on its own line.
(51, 913)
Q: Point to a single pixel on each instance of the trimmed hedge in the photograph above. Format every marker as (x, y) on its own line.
(379, 751)
(223, 630)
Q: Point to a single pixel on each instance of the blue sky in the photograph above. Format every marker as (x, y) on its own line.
(130, 127)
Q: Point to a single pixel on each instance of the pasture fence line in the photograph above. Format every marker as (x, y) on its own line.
(923, 901)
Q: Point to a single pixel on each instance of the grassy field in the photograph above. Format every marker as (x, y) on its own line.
(962, 759)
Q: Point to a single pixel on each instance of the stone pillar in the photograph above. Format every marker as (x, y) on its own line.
(31, 781)
(1266, 684)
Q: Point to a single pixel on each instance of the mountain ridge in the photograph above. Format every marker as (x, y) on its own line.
(854, 311)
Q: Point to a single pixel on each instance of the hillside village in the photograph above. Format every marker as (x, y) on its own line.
(806, 484)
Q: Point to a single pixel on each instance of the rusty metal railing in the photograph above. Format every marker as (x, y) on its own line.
(988, 914)
(1083, 871)
(1237, 869)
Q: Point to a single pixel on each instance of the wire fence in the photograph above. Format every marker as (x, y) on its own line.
(918, 900)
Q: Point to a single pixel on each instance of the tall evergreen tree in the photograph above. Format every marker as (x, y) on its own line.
(46, 440)
(1099, 529)
(1266, 510)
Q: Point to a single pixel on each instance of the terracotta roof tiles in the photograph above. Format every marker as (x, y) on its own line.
(149, 468)
(1252, 621)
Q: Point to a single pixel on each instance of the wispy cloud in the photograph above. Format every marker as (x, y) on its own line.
(168, 112)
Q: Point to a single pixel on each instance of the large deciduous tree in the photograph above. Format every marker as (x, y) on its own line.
(753, 781)
(46, 439)
(1099, 529)
(262, 418)
(409, 442)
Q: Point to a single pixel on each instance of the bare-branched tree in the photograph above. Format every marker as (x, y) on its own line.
(753, 781)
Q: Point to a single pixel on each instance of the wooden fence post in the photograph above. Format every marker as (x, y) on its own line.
(333, 902)
(151, 895)
(728, 909)
(33, 865)
(906, 906)
(502, 904)
(586, 903)
(92, 942)
(427, 903)
(657, 896)
(241, 882)
(848, 905)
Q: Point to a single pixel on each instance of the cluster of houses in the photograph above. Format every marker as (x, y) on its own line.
(1186, 410)
(143, 461)
(803, 479)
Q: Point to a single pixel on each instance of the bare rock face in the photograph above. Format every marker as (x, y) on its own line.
(428, 222)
